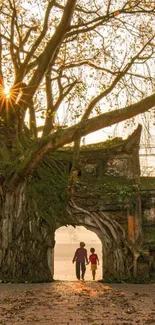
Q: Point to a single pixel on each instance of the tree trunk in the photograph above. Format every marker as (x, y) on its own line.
(25, 240)
(115, 266)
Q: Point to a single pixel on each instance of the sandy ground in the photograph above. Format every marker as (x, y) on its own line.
(77, 303)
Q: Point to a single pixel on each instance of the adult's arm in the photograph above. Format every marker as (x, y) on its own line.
(86, 257)
(75, 256)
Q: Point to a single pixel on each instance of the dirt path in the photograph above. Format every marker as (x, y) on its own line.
(77, 303)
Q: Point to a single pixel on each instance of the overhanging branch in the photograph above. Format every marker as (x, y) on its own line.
(68, 135)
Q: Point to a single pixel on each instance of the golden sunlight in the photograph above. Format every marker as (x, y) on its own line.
(7, 92)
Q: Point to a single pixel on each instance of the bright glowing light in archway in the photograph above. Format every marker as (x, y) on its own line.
(67, 241)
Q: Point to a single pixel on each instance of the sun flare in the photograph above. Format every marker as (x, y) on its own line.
(7, 92)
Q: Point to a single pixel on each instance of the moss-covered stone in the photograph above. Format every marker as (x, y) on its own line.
(147, 183)
(48, 192)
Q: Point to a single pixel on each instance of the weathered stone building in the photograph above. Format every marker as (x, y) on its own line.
(112, 200)
(109, 198)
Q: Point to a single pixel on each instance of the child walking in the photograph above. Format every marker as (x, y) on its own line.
(93, 259)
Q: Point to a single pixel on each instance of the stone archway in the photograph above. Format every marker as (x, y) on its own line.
(112, 237)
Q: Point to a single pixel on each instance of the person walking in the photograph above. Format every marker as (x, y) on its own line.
(80, 257)
(93, 259)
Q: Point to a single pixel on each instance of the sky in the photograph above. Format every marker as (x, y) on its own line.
(75, 235)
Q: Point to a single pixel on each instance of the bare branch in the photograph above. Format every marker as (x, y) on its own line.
(108, 7)
(63, 94)
(13, 56)
(32, 119)
(115, 81)
(50, 107)
(50, 50)
(42, 34)
(91, 64)
(1, 73)
(9, 40)
(94, 23)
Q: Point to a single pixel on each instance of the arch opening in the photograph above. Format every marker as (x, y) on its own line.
(67, 240)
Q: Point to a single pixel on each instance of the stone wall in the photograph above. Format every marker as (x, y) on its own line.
(116, 158)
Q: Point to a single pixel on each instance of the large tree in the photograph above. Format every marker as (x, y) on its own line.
(79, 66)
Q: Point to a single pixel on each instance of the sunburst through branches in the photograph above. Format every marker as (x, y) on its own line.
(9, 95)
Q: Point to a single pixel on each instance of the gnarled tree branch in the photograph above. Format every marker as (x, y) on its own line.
(68, 135)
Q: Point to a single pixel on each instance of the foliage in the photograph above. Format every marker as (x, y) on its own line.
(110, 186)
(9, 161)
(110, 143)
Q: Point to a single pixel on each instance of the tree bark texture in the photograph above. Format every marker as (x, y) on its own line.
(116, 265)
(24, 240)
(27, 241)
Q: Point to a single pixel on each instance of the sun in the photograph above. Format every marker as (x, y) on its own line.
(7, 92)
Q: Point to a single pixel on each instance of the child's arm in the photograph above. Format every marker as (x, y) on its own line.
(89, 261)
(98, 260)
